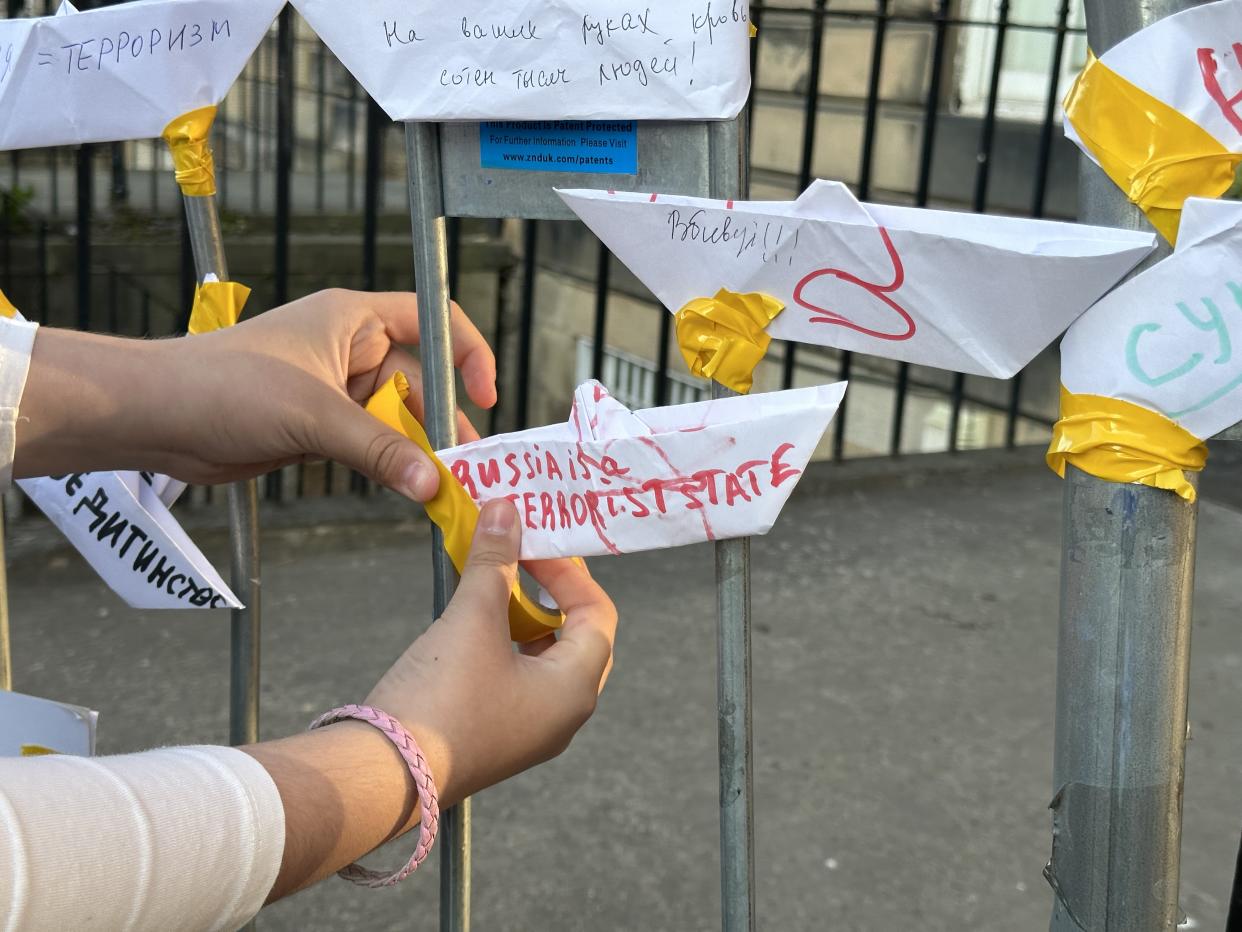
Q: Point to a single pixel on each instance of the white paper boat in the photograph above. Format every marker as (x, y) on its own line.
(532, 60)
(121, 72)
(1170, 339)
(1191, 63)
(615, 481)
(965, 292)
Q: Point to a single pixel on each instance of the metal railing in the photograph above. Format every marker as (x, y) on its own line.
(301, 149)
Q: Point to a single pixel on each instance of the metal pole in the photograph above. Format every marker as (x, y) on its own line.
(733, 632)
(6, 645)
(422, 145)
(1123, 655)
(207, 241)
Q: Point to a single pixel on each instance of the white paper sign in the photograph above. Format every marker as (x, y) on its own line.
(118, 522)
(535, 60)
(615, 481)
(964, 292)
(121, 72)
(30, 726)
(1191, 62)
(1171, 338)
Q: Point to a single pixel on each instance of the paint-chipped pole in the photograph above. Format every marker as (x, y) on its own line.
(1123, 655)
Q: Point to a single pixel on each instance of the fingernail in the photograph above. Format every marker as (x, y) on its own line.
(497, 517)
(416, 481)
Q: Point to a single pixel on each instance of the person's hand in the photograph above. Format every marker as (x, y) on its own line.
(480, 710)
(289, 385)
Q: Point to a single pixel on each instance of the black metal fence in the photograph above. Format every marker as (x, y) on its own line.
(942, 103)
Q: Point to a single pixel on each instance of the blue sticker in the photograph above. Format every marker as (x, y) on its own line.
(608, 147)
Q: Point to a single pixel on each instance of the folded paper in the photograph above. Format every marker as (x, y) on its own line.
(531, 60)
(121, 72)
(1164, 340)
(1160, 111)
(31, 727)
(121, 523)
(965, 292)
(612, 480)
(456, 514)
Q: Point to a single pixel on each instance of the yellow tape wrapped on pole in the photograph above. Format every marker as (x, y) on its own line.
(217, 305)
(455, 513)
(1154, 153)
(1122, 442)
(192, 159)
(724, 338)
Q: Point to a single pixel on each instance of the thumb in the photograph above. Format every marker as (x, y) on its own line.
(491, 569)
(363, 442)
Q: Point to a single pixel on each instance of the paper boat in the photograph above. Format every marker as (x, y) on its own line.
(1169, 339)
(483, 60)
(611, 480)
(121, 72)
(30, 727)
(966, 292)
(1161, 111)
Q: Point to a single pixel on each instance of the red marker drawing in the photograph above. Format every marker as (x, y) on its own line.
(1211, 83)
(881, 292)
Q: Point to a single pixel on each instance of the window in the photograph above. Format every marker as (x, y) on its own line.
(1027, 60)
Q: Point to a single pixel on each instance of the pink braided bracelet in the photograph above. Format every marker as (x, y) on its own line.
(428, 803)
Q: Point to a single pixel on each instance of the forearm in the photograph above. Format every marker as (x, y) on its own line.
(91, 403)
(345, 791)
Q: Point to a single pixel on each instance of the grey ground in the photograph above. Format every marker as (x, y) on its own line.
(905, 637)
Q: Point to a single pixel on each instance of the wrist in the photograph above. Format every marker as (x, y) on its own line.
(91, 403)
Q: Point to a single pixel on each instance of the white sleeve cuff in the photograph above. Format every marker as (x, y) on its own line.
(16, 343)
(185, 838)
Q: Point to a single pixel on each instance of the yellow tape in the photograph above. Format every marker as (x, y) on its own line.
(724, 338)
(217, 305)
(455, 513)
(37, 750)
(1123, 442)
(6, 307)
(1154, 153)
(187, 140)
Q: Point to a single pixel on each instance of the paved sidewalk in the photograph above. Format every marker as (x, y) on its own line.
(904, 662)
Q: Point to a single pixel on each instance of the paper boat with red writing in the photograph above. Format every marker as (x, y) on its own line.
(966, 292)
(121, 72)
(611, 480)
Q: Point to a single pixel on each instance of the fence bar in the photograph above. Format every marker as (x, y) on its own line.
(85, 196)
(729, 179)
(1123, 655)
(422, 144)
(207, 241)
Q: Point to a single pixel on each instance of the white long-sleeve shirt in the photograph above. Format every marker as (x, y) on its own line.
(184, 838)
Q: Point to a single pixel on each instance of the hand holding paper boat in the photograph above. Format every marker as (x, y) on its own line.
(966, 292)
(611, 480)
(121, 72)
